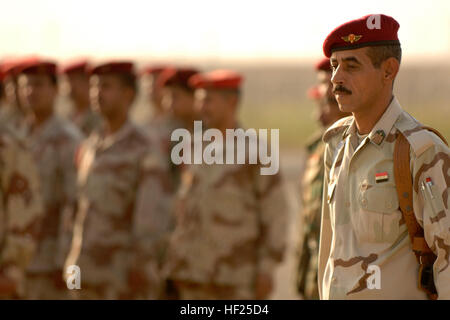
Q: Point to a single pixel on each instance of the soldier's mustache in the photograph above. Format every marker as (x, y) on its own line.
(341, 89)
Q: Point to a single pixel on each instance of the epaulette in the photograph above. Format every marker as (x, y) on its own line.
(338, 126)
(419, 138)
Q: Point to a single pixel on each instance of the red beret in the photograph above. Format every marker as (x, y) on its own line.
(36, 65)
(323, 65)
(11, 67)
(124, 67)
(178, 77)
(76, 66)
(217, 79)
(370, 30)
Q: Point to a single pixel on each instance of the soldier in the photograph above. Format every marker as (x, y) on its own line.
(178, 99)
(123, 214)
(363, 233)
(231, 221)
(21, 210)
(312, 181)
(53, 143)
(77, 78)
(151, 75)
(13, 113)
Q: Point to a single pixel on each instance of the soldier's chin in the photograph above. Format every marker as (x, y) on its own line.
(344, 103)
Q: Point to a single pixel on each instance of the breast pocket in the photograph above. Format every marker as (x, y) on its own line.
(379, 216)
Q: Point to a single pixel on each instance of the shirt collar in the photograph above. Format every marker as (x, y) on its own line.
(108, 141)
(382, 127)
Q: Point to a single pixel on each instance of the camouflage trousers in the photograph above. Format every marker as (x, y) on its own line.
(46, 286)
(205, 291)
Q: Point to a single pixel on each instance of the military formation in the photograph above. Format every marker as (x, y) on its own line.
(92, 189)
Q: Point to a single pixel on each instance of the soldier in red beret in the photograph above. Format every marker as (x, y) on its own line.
(229, 233)
(218, 94)
(53, 142)
(162, 121)
(76, 74)
(386, 176)
(178, 102)
(178, 95)
(151, 74)
(124, 186)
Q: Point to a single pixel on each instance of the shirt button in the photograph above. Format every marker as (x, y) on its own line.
(334, 279)
(364, 202)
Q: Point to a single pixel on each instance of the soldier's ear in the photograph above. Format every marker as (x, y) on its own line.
(390, 69)
(131, 94)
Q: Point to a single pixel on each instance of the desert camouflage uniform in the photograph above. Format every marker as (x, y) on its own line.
(13, 117)
(54, 146)
(231, 225)
(311, 196)
(21, 209)
(361, 221)
(87, 121)
(161, 128)
(123, 215)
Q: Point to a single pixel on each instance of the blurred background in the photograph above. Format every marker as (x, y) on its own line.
(273, 43)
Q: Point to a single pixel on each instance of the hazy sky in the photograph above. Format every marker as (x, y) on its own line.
(216, 30)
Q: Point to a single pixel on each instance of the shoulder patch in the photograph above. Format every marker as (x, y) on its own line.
(338, 126)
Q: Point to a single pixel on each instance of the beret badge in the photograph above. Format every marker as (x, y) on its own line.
(351, 38)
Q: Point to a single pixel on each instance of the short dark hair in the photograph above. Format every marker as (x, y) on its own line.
(378, 54)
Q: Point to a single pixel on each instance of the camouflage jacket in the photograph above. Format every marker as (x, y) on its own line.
(362, 225)
(54, 145)
(311, 196)
(87, 121)
(231, 225)
(21, 207)
(123, 211)
(161, 128)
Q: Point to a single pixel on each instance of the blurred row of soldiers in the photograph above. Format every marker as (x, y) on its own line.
(97, 191)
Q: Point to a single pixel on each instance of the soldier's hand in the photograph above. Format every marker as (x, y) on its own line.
(264, 286)
(7, 286)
